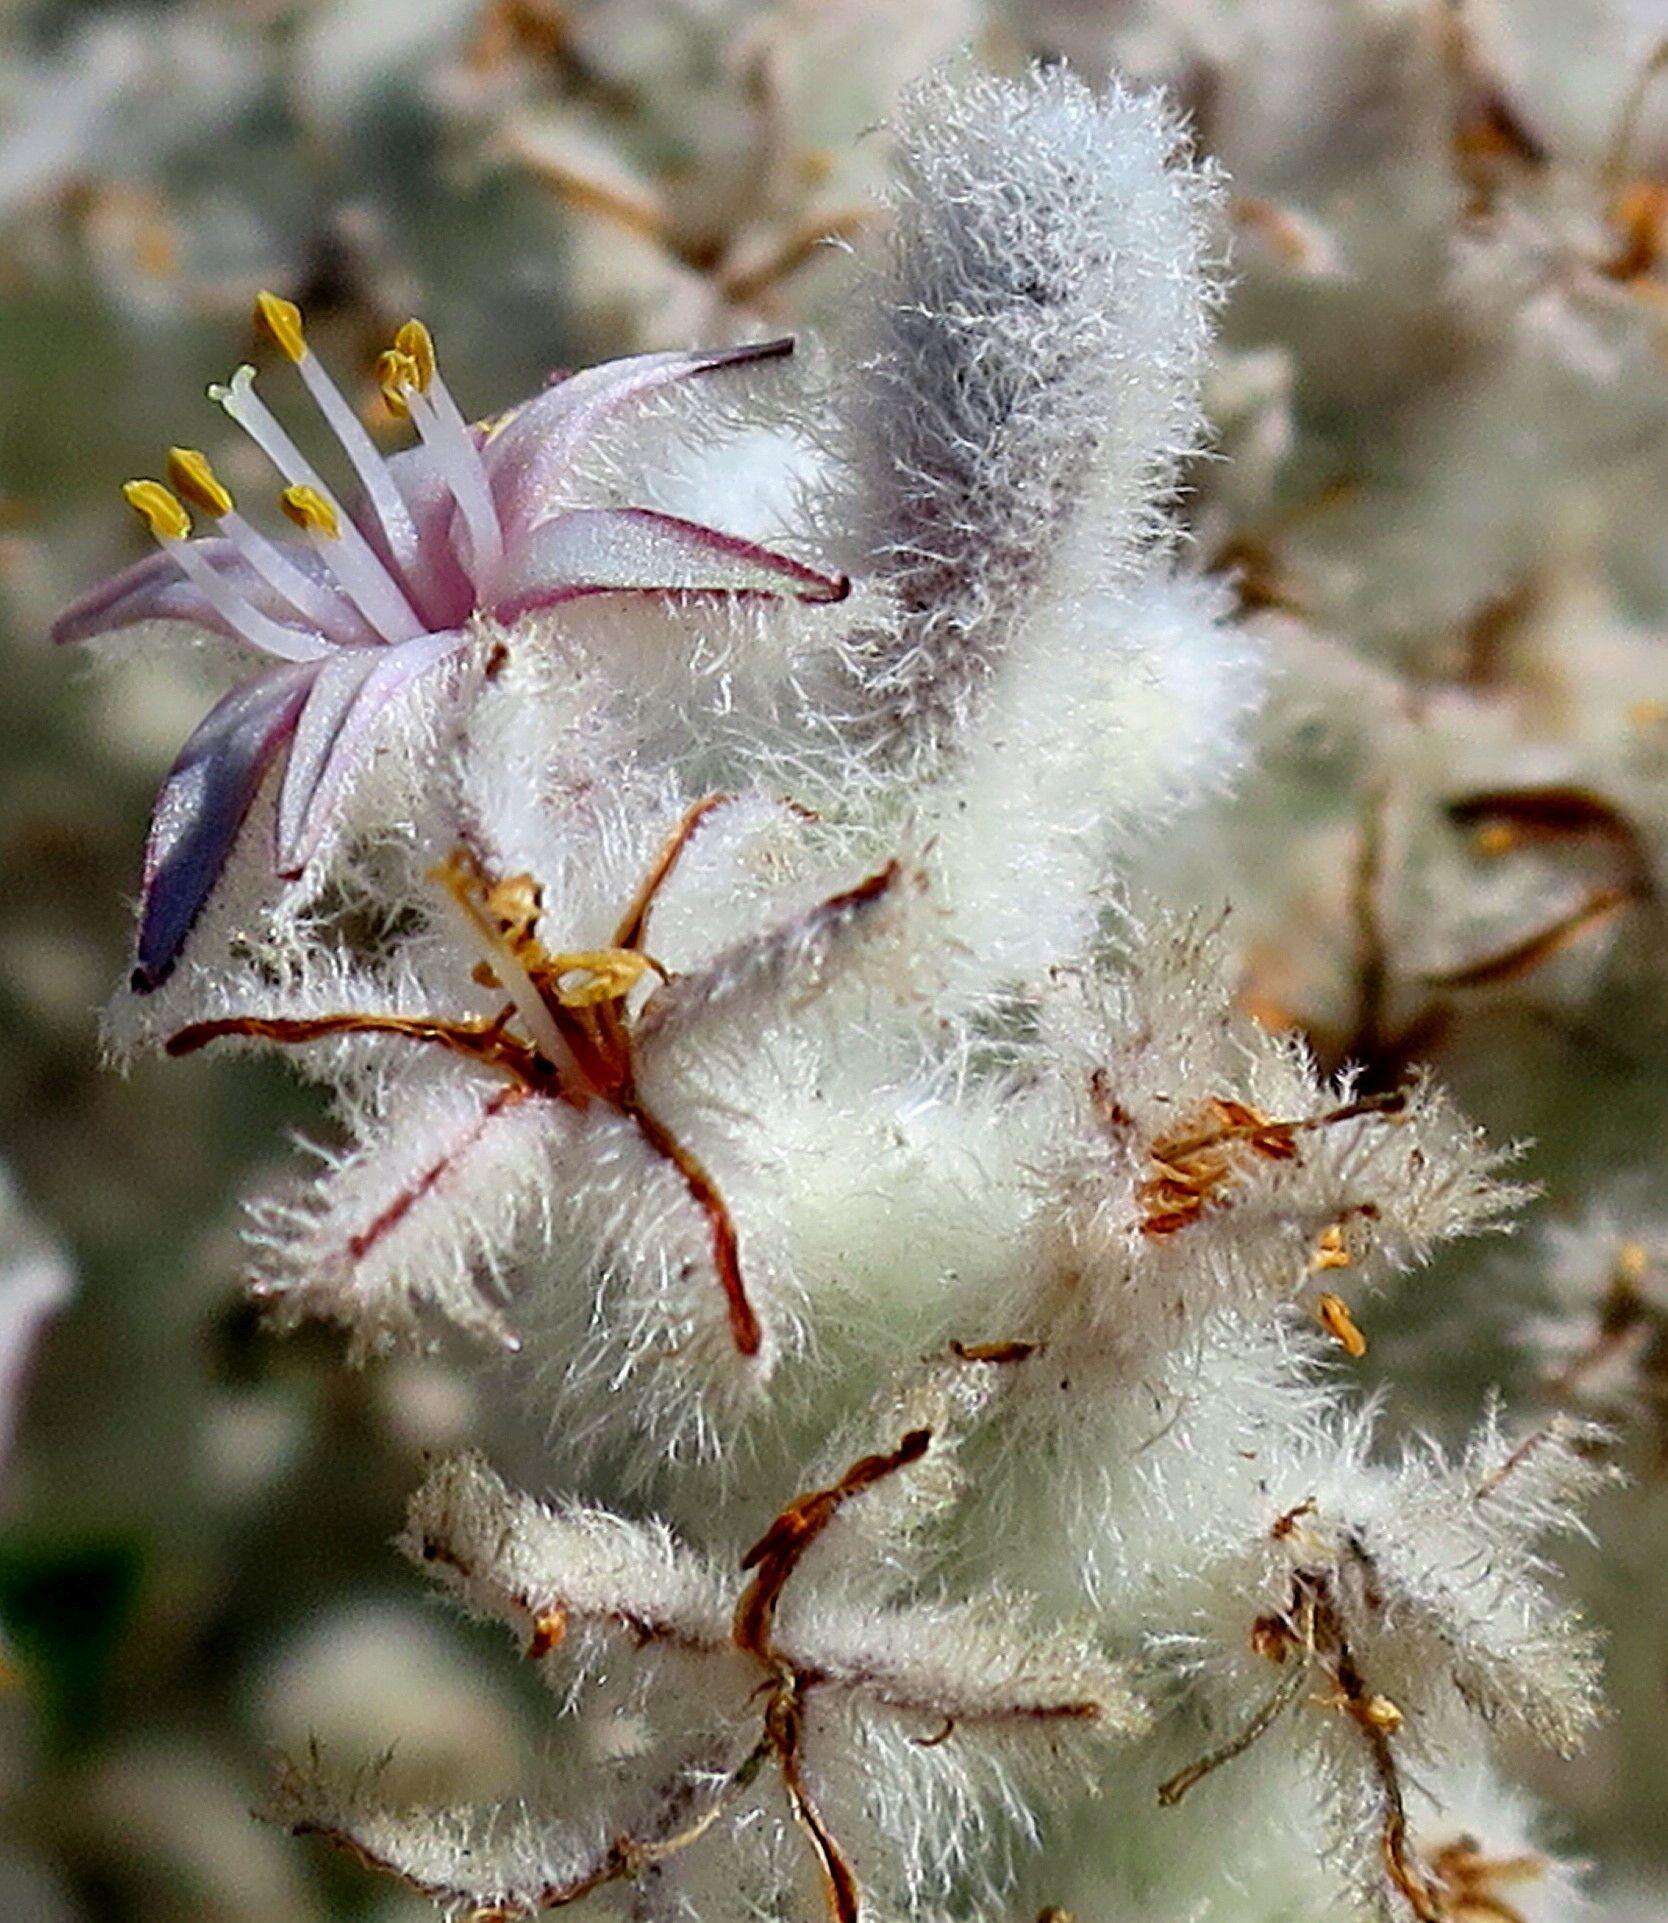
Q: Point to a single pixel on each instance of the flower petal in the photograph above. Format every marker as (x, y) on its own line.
(348, 697)
(154, 589)
(202, 806)
(602, 550)
(439, 586)
(530, 460)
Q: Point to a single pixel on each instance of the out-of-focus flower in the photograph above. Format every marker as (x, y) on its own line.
(36, 1281)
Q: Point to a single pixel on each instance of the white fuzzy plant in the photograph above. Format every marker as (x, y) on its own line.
(717, 962)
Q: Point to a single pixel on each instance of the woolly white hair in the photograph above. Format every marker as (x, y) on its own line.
(748, 1013)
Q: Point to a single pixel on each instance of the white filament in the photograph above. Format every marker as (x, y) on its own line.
(440, 423)
(518, 985)
(305, 594)
(260, 630)
(349, 556)
(386, 501)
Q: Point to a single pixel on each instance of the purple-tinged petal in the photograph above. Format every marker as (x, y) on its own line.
(530, 460)
(605, 550)
(347, 701)
(154, 589)
(202, 806)
(440, 588)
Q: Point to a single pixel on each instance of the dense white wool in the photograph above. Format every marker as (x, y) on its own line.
(1123, 706)
(1428, 1575)
(1032, 349)
(1100, 1490)
(905, 1201)
(918, 1715)
(512, 1559)
(1151, 1055)
(425, 1210)
(624, 1316)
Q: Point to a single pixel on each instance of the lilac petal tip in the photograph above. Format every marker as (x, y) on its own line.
(201, 808)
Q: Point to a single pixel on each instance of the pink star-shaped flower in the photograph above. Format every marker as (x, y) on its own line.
(474, 520)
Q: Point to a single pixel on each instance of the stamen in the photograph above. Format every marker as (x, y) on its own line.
(170, 525)
(416, 343)
(463, 888)
(395, 372)
(318, 517)
(311, 512)
(353, 560)
(611, 974)
(446, 435)
(1332, 1313)
(280, 320)
(158, 509)
(193, 477)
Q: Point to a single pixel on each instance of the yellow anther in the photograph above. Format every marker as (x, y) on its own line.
(610, 974)
(154, 505)
(1333, 1314)
(417, 344)
(280, 321)
(1380, 1713)
(395, 373)
(309, 510)
(193, 478)
(550, 1630)
(1331, 1251)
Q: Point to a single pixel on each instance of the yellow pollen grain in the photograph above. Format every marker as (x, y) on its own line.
(417, 344)
(309, 510)
(280, 321)
(1332, 1313)
(197, 482)
(159, 509)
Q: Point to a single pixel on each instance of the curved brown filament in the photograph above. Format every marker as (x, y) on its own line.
(775, 1557)
(782, 1730)
(633, 924)
(778, 1552)
(703, 1192)
(1524, 957)
(479, 1041)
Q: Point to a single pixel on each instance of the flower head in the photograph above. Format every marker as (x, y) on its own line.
(473, 521)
